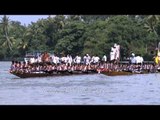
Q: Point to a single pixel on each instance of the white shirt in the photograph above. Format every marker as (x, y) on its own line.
(104, 58)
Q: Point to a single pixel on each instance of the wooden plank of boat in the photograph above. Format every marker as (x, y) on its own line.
(116, 73)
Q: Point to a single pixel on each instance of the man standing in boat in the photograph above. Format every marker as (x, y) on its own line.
(45, 57)
(88, 58)
(115, 53)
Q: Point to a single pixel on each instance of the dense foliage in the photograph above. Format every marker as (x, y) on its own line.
(81, 34)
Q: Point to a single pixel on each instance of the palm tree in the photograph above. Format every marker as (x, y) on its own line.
(151, 25)
(23, 44)
(5, 26)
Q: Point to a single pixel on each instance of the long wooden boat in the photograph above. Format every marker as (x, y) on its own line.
(116, 73)
(46, 74)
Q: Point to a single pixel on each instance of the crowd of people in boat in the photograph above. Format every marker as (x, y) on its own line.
(54, 64)
(46, 57)
(49, 64)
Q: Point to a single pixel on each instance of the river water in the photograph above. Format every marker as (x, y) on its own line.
(95, 89)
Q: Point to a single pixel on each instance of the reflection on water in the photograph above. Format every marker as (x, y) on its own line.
(81, 89)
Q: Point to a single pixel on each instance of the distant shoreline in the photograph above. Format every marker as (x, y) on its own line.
(123, 62)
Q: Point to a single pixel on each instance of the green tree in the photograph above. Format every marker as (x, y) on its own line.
(8, 41)
(151, 24)
(70, 39)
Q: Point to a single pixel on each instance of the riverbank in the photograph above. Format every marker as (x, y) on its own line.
(22, 59)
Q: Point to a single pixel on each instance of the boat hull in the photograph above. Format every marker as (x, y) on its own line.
(68, 73)
(116, 73)
(64, 73)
